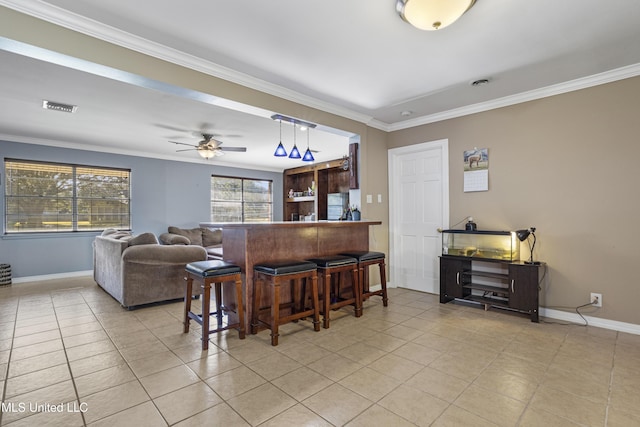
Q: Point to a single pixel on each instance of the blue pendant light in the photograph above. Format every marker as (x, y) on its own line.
(280, 151)
(308, 157)
(295, 154)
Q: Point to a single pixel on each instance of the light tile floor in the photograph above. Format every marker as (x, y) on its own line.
(71, 356)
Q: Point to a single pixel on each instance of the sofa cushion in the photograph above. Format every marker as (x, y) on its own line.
(143, 239)
(174, 239)
(194, 234)
(211, 237)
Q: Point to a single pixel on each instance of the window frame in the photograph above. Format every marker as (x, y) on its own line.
(74, 199)
(243, 203)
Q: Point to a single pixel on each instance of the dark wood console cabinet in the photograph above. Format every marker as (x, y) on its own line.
(511, 285)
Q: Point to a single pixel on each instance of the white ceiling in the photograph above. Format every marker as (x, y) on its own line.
(355, 58)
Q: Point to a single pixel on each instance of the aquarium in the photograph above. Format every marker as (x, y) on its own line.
(493, 245)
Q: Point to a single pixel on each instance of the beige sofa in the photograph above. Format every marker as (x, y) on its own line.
(211, 240)
(137, 270)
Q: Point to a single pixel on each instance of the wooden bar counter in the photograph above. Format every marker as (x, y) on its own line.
(248, 244)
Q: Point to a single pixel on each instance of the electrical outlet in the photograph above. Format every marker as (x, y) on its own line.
(596, 299)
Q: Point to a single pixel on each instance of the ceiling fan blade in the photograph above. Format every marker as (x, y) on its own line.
(187, 149)
(182, 143)
(237, 149)
(169, 127)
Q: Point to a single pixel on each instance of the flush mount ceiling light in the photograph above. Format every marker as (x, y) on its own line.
(432, 15)
(58, 106)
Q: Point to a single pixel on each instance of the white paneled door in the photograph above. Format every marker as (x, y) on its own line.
(418, 209)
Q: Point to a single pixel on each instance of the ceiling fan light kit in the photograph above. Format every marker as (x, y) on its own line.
(206, 152)
(209, 147)
(431, 15)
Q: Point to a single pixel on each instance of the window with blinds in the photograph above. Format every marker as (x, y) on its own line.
(241, 200)
(51, 197)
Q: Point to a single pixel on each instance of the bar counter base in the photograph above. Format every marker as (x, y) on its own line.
(248, 244)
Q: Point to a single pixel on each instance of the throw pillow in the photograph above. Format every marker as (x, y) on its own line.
(211, 237)
(144, 239)
(194, 234)
(174, 239)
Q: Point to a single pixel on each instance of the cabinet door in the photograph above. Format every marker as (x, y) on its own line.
(451, 278)
(523, 288)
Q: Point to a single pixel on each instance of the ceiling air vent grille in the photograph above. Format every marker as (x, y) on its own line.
(57, 106)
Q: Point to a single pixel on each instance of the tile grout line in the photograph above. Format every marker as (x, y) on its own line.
(128, 366)
(6, 373)
(533, 395)
(562, 345)
(183, 364)
(611, 376)
(66, 356)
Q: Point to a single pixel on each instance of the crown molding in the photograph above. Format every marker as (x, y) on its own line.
(532, 95)
(118, 37)
(66, 19)
(126, 152)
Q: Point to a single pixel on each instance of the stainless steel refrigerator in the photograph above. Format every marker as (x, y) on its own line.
(337, 203)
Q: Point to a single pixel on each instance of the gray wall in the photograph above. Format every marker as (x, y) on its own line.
(163, 193)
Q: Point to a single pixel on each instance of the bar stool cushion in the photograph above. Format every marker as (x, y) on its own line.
(212, 268)
(365, 255)
(333, 261)
(277, 268)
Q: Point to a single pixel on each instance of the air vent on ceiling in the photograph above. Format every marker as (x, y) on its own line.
(57, 106)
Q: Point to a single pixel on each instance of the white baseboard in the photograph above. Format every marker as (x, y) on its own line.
(593, 321)
(566, 316)
(545, 312)
(51, 276)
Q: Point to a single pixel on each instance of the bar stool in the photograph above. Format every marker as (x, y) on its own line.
(274, 273)
(206, 273)
(365, 259)
(330, 267)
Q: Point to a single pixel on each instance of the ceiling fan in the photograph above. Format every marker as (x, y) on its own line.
(209, 147)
